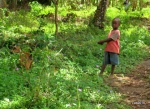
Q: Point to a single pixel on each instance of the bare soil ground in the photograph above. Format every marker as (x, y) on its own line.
(135, 87)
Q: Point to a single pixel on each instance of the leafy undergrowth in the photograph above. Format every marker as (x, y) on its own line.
(64, 71)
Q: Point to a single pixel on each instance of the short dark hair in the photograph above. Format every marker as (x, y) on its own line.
(118, 19)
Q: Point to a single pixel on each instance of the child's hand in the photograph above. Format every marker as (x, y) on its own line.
(100, 42)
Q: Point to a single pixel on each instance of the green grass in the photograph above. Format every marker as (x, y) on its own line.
(64, 72)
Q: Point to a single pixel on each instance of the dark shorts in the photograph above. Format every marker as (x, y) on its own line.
(111, 58)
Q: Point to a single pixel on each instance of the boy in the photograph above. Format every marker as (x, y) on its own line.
(112, 48)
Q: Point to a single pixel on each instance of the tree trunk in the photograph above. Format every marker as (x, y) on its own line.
(134, 4)
(3, 4)
(112, 3)
(88, 2)
(141, 4)
(13, 4)
(56, 17)
(97, 2)
(50, 2)
(82, 1)
(108, 3)
(100, 14)
(93, 2)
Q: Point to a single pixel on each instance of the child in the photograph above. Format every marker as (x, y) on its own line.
(112, 48)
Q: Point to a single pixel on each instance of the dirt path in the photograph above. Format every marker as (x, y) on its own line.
(134, 86)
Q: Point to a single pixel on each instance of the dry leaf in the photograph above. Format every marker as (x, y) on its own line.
(26, 60)
(25, 57)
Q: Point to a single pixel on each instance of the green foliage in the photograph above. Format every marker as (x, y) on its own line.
(37, 9)
(64, 70)
(149, 77)
(146, 12)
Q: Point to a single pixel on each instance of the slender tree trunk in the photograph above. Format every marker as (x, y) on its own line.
(140, 4)
(134, 4)
(3, 4)
(50, 2)
(88, 2)
(56, 18)
(108, 3)
(82, 1)
(100, 14)
(97, 2)
(13, 4)
(93, 2)
(61, 2)
(113, 3)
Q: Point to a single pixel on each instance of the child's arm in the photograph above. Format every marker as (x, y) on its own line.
(106, 40)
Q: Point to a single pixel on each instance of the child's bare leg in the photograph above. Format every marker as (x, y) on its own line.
(103, 68)
(112, 69)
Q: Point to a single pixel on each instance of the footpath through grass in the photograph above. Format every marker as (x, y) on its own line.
(64, 71)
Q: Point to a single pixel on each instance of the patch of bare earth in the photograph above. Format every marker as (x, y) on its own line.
(134, 86)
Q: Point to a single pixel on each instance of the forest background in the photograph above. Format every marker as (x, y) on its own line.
(61, 38)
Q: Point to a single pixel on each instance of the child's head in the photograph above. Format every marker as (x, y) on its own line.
(115, 23)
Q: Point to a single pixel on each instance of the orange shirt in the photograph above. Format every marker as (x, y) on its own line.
(114, 45)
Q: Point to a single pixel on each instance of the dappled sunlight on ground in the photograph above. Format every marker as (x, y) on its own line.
(135, 87)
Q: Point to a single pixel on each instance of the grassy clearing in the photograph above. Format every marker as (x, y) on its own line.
(64, 71)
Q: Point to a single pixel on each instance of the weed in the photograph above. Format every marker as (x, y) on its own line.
(64, 72)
